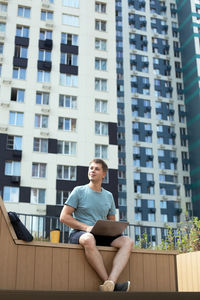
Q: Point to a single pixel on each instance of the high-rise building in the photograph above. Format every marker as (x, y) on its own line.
(58, 106)
(154, 179)
(189, 30)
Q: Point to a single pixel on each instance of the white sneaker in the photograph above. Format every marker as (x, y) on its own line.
(108, 286)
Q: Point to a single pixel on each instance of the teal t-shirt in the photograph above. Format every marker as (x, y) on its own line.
(91, 206)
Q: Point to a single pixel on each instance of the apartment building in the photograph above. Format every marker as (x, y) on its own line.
(58, 106)
(154, 179)
(189, 29)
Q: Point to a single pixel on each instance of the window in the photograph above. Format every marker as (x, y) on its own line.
(43, 76)
(163, 204)
(14, 142)
(151, 217)
(3, 7)
(12, 168)
(66, 124)
(101, 128)
(68, 80)
(100, 25)
(138, 216)
(2, 27)
(10, 194)
(101, 106)
(21, 51)
(24, 12)
(69, 39)
(69, 59)
(17, 95)
(22, 31)
(16, 118)
(100, 44)
(44, 55)
(1, 48)
(42, 98)
(65, 147)
(19, 73)
(70, 20)
(61, 197)
(100, 84)
(46, 15)
(40, 145)
(41, 121)
(39, 170)
(164, 218)
(101, 151)
(45, 34)
(67, 101)
(100, 64)
(100, 7)
(122, 201)
(37, 196)
(66, 172)
(71, 3)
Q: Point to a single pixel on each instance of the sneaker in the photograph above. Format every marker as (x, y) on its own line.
(108, 286)
(122, 287)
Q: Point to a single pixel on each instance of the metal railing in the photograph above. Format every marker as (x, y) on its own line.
(41, 226)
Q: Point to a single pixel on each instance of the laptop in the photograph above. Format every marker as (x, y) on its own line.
(109, 227)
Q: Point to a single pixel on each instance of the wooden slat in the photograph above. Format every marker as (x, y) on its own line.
(162, 271)
(8, 258)
(60, 269)
(137, 272)
(173, 274)
(76, 270)
(43, 268)
(25, 268)
(150, 275)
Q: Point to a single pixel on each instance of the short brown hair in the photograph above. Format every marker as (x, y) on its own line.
(101, 162)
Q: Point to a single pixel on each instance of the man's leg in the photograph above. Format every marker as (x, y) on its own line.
(93, 256)
(125, 245)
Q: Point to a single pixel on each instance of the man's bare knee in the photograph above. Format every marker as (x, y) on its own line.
(87, 240)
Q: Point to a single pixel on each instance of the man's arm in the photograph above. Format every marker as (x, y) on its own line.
(67, 219)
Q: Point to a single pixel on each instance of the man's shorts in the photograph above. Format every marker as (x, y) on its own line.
(100, 239)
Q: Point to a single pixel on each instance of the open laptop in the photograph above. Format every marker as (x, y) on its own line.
(109, 227)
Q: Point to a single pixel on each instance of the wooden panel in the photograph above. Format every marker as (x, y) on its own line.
(163, 274)
(60, 270)
(173, 273)
(125, 275)
(8, 258)
(25, 268)
(43, 268)
(76, 270)
(150, 275)
(108, 257)
(137, 271)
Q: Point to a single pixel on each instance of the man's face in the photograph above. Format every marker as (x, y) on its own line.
(95, 172)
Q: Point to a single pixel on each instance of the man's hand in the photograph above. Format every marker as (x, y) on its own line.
(89, 228)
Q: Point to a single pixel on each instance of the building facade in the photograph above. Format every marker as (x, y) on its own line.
(189, 29)
(154, 178)
(58, 106)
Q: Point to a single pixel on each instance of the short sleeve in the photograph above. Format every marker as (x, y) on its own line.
(112, 210)
(73, 198)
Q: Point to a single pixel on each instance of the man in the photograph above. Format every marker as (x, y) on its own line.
(85, 205)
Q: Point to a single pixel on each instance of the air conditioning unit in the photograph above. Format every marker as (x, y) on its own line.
(158, 76)
(3, 16)
(160, 122)
(5, 103)
(135, 73)
(45, 110)
(44, 132)
(49, 24)
(164, 198)
(136, 119)
(7, 81)
(162, 146)
(15, 179)
(169, 78)
(138, 169)
(138, 196)
(135, 95)
(163, 172)
(1, 59)
(2, 36)
(46, 87)
(45, 4)
(3, 127)
(157, 55)
(133, 30)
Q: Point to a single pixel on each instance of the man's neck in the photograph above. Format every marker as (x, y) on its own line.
(95, 186)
